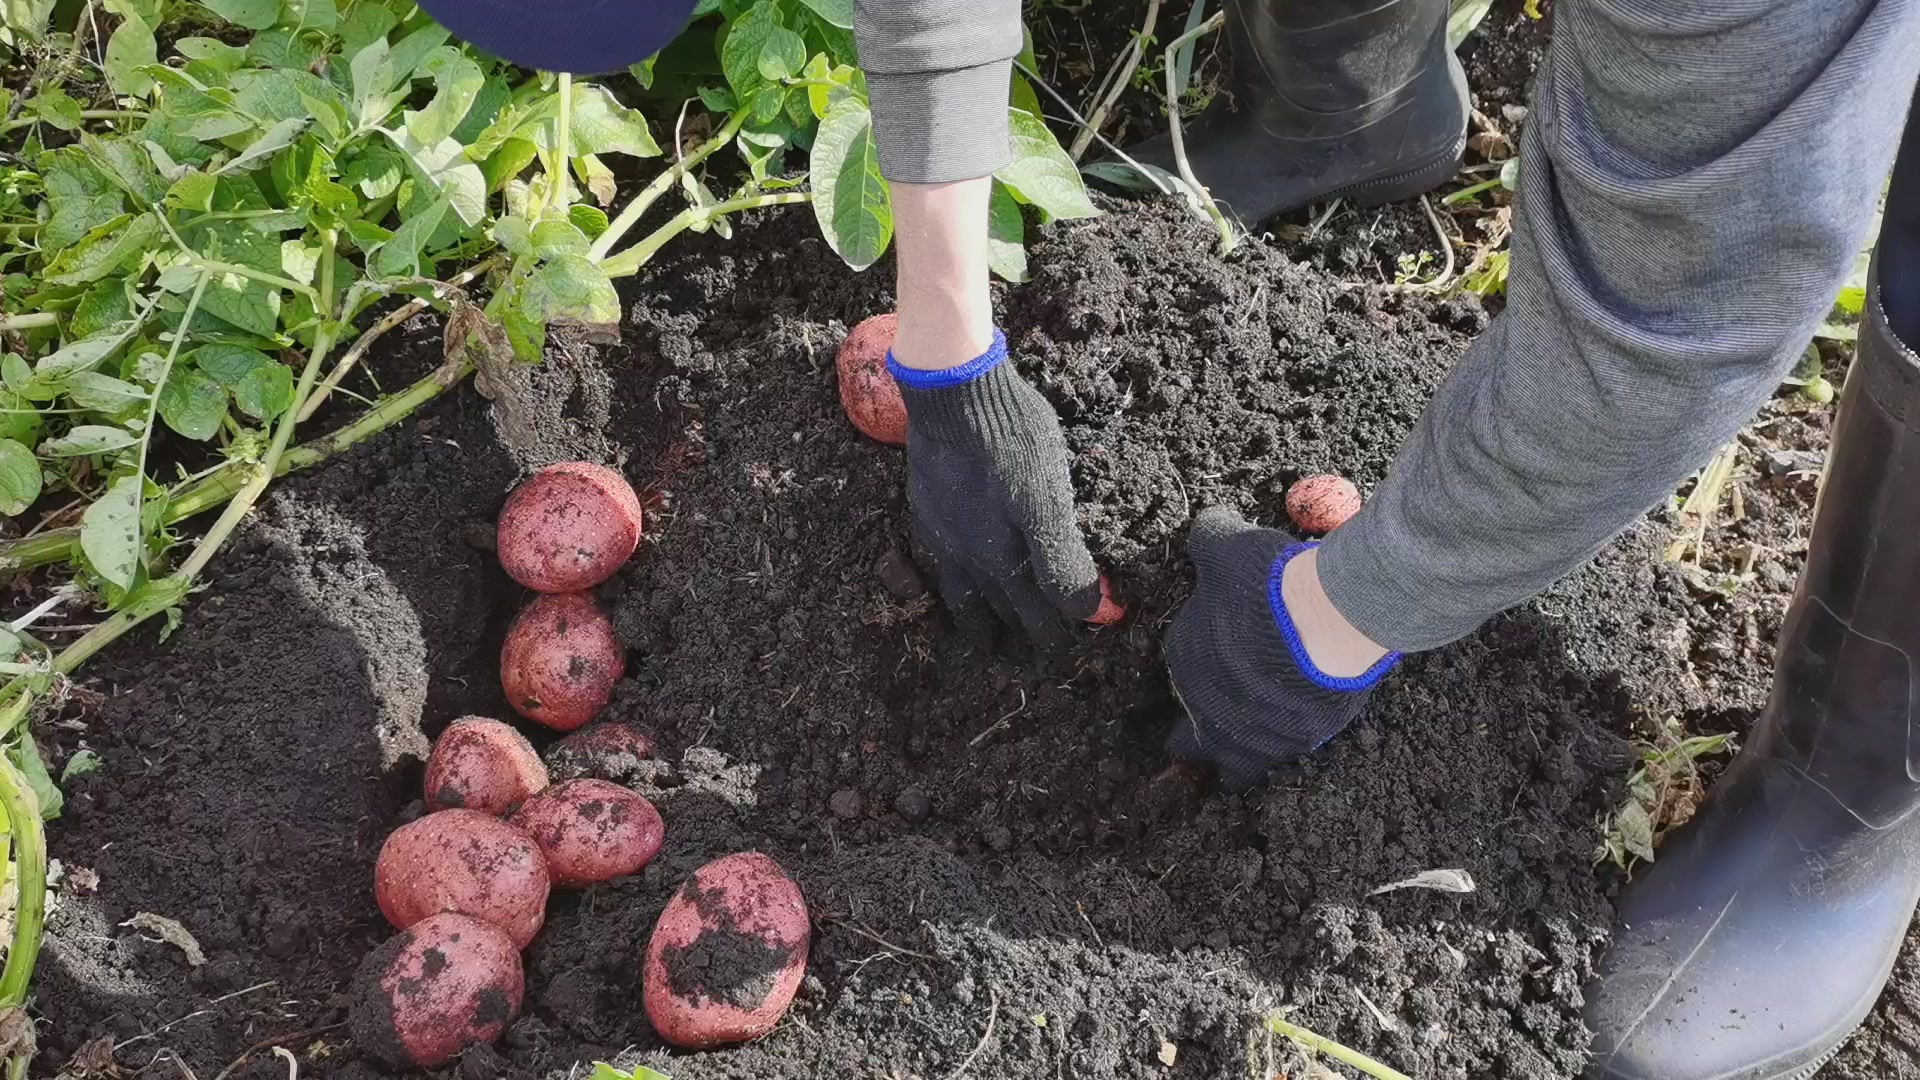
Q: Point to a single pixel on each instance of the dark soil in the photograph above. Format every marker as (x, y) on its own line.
(995, 878)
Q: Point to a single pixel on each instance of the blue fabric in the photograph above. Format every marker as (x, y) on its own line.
(1290, 634)
(922, 379)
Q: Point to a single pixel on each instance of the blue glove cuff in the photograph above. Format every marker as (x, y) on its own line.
(936, 379)
(1290, 634)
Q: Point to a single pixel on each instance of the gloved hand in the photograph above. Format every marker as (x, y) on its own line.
(1252, 698)
(991, 500)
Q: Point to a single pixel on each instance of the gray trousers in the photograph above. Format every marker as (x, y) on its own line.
(1696, 179)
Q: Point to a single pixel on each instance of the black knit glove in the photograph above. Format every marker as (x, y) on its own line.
(1252, 697)
(991, 500)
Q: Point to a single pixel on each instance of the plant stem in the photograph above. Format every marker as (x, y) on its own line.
(1134, 49)
(564, 176)
(30, 859)
(629, 262)
(1034, 77)
(660, 185)
(1320, 1044)
(28, 321)
(85, 114)
(1453, 197)
(1220, 222)
(160, 384)
(392, 319)
(214, 266)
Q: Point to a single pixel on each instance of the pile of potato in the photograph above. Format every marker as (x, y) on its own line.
(467, 884)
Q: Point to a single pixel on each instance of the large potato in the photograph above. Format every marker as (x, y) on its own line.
(728, 953)
(560, 661)
(568, 527)
(442, 985)
(590, 830)
(867, 391)
(464, 861)
(481, 764)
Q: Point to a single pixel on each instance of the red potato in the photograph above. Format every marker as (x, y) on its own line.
(1321, 504)
(609, 750)
(560, 661)
(568, 527)
(867, 391)
(464, 861)
(481, 764)
(590, 830)
(1110, 610)
(728, 953)
(446, 983)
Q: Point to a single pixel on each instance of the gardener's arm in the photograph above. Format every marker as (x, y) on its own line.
(986, 463)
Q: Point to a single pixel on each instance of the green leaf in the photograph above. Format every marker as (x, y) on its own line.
(229, 364)
(247, 303)
(604, 1071)
(444, 168)
(103, 308)
(367, 23)
(740, 52)
(1041, 173)
(642, 72)
(330, 116)
(512, 234)
(277, 138)
(82, 355)
(552, 239)
(718, 99)
(131, 48)
(837, 12)
(252, 14)
(105, 251)
(601, 125)
(103, 393)
(588, 219)
(573, 289)
(193, 404)
(413, 49)
(56, 107)
(309, 14)
(81, 195)
(213, 52)
(377, 170)
(400, 255)
(1462, 18)
(783, 55)
(850, 198)
(19, 478)
(128, 165)
(265, 392)
(83, 439)
(84, 762)
(457, 81)
(373, 77)
(1006, 235)
(194, 192)
(26, 755)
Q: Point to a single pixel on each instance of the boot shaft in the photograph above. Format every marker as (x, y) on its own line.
(1327, 68)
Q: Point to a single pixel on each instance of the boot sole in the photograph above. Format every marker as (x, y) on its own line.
(1406, 185)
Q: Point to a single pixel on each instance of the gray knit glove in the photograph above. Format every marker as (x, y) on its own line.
(991, 499)
(1252, 697)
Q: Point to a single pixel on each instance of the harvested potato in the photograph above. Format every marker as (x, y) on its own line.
(1321, 504)
(867, 391)
(1110, 610)
(560, 661)
(727, 954)
(590, 830)
(446, 983)
(568, 527)
(481, 764)
(610, 750)
(464, 861)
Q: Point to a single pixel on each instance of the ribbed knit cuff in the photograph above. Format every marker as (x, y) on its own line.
(982, 398)
(1289, 633)
(936, 127)
(935, 378)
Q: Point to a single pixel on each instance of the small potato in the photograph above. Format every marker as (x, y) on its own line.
(728, 953)
(1110, 610)
(568, 527)
(481, 764)
(590, 830)
(609, 750)
(440, 986)
(1321, 504)
(464, 861)
(867, 391)
(560, 661)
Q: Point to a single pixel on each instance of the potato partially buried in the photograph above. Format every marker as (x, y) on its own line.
(436, 988)
(727, 954)
(560, 661)
(464, 861)
(482, 764)
(590, 830)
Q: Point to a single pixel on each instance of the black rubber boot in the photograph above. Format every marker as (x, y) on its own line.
(1765, 932)
(1352, 98)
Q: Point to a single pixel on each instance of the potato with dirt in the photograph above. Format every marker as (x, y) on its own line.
(591, 831)
(482, 764)
(727, 953)
(1323, 503)
(610, 750)
(568, 527)
(464, 861)
(868, 393)
(442, 985)
(560, 661)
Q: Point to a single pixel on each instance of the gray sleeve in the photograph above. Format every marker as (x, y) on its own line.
(1695, 181)
(937, 79)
